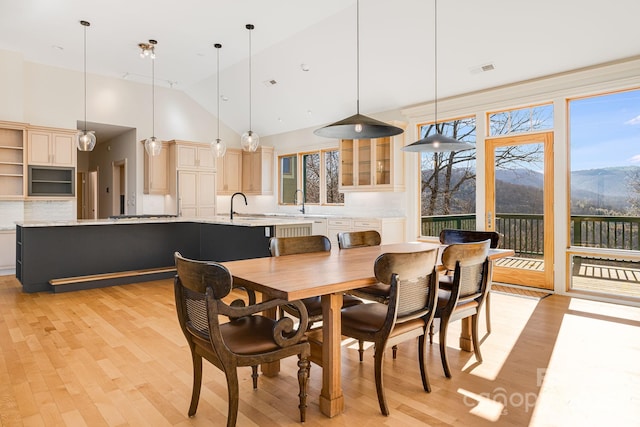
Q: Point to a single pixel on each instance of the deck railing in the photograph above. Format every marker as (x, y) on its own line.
(524, 233)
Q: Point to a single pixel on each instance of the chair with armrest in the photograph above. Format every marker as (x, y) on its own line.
(280, 246)
(449, 236)
(467, 294)
(413, 283)
(247, 339)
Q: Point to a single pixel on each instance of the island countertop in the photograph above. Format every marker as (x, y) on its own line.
(244, 221)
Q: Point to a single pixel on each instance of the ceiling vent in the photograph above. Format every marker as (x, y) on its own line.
(483, 68)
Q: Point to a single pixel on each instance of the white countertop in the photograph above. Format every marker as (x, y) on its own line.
(244, 221)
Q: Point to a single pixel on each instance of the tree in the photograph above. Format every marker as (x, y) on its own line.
(448, 178)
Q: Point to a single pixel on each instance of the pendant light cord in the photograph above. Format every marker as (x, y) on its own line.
(435, 62)
(153, 98)
(218, 46)
(358, 57)
(250, 27)
(85, 77)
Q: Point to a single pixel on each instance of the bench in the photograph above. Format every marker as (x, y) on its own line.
(91, 281)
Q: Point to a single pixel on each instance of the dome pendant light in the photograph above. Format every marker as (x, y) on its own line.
(250, 140)
(358, 126)
(85, 140)
(218, 147)
(437, 142)
(153, 145)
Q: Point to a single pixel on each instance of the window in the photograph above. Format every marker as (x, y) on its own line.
(604, 145)
(331, 181)
(521, 120)
(311, 177)
(448, 180)
(318, 172)
(604, 135)
(288, 172)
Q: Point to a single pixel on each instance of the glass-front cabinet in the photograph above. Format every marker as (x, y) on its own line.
(372, 164)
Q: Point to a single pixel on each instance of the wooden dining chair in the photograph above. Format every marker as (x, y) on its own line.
(280, 246)
(378, 292)
(449, 236)
(413, 283)
(470, 266)
(247, 339)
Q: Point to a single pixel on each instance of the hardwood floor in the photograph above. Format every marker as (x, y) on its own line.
(116, 356)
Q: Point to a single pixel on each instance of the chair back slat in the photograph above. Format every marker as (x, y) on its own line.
(449, 236)
(356, 239)
(411, 276)
(280, 246)
(467, 259)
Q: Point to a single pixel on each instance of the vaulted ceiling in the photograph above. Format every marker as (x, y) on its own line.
(522, 40)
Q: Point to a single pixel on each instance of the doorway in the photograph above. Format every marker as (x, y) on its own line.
(119, 187)
(87, 194)
(519, 206)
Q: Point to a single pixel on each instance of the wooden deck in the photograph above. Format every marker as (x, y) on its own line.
(605, 279)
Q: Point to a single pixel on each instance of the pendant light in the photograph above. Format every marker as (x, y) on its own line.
(437, 142)
(85, 140)
(152, 144)
(218, 147)
(250, 140)
(358, 126)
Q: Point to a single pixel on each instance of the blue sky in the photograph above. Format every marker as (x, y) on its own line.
(605, 131)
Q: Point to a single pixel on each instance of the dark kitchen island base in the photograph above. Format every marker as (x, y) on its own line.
(45, 253)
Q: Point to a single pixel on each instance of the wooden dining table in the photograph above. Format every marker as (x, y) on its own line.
(328, 275)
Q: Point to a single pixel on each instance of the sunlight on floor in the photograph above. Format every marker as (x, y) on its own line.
(499, 344)
(587, 381)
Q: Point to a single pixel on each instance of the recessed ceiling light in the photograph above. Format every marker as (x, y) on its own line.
(224, 98)
(271, 82)
(305, 67)
(56, 47)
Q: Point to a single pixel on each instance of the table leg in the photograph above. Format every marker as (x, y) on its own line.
(465, 335)
(331, 398)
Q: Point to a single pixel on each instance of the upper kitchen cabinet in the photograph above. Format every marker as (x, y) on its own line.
(51, 147)
(372, 164)
(229, 171)
(193, 155)
(257, 171)
(156, 171)
(12, 160)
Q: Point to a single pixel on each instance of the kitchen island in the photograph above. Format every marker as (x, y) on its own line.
(62, 256)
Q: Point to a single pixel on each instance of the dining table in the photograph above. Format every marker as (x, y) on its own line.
(328, 275)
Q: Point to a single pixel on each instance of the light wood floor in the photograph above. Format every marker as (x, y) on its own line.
(116, 357)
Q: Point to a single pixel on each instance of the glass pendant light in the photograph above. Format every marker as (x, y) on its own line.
(153, 145)
(358, 126)
(218, 147)
(250, 140)
(85, 140)
(437, 142)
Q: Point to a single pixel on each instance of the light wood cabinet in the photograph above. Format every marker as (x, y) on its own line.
(12, 160)
(51, 147)
(196, 193)
(156, 171)
(193, 155)
(195, 168)
(257, 171)
(229, 172)
(372, 164)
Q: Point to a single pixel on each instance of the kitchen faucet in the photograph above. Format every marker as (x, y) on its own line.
(234, 195)
(295, 199)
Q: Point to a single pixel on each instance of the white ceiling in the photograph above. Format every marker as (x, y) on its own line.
(522, 39)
